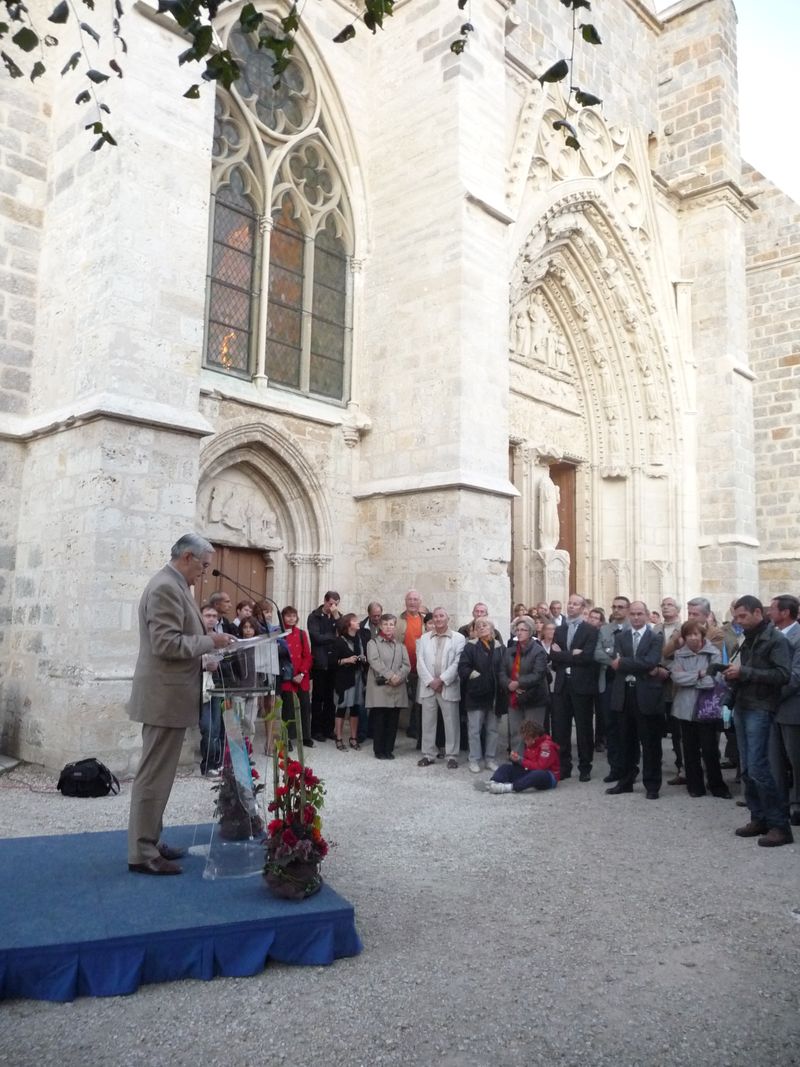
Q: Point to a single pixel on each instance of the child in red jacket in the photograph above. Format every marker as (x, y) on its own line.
(536, 768)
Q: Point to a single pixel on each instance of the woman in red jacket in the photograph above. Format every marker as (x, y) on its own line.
(536, 768)
(300, 651)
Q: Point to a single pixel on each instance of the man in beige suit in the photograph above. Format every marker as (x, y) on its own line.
(166, 695)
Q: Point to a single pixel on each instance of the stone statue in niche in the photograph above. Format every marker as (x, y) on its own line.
(616, 443)
(549, 525)
(522, 331)
(540, 328)
(558, 357)
(608, 393)
(654, 448)
(651, 394)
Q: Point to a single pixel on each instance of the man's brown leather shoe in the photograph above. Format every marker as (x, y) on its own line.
(158, 865)
(776, 836)
(168, 853)
(752, 829)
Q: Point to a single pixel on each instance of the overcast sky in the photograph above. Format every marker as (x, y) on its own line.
(769, 32)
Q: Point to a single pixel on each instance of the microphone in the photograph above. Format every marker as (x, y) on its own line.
(246, 589)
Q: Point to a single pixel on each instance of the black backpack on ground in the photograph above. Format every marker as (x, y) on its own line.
(87, 778)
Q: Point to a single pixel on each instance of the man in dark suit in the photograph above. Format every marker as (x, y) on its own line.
(784, 751)
(637, 697)
(166, 695)
(572, 654)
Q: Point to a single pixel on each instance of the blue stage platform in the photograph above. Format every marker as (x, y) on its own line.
(74, 922)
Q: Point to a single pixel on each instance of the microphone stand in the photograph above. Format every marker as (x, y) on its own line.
(246, 589)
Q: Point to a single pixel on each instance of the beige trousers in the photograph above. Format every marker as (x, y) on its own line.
(161, 751)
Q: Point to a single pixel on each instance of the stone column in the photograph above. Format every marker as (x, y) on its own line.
(433, 473)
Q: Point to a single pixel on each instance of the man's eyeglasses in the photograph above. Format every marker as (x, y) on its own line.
(206, 563)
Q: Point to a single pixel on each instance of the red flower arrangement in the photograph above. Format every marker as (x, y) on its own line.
(295, 845)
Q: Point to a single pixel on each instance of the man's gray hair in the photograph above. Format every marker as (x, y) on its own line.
(700, 602)
(190, 542)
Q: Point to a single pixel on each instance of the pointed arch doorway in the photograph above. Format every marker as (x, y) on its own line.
(251, 569)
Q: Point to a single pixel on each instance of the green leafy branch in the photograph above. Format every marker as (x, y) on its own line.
(560, 70)
(27, 38)
(460, 43)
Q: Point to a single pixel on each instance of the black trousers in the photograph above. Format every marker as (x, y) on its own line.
(645, 731)
(701, 739)
(323, 709)
(287, 714)
(383, 723)
(568, 705)
(676, 733)
(613, 749)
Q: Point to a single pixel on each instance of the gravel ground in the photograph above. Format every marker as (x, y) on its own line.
(559, 928)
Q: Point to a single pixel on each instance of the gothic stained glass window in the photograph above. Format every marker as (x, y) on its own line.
(328, 314)
(285, 308)
(228, 339)
(300, 265)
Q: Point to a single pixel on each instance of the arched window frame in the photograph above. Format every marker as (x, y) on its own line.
(264, 149)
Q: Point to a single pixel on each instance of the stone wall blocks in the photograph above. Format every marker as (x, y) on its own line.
(13, 378)
(17, 284)
(13, 403)
(26, 166)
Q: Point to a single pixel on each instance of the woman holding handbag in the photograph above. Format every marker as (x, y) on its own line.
(697, 705)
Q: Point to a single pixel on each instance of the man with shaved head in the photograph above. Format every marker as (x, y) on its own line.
(637, 697)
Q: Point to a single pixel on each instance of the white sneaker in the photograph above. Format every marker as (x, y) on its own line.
(492, 765)
(500, 787)
(474, 766)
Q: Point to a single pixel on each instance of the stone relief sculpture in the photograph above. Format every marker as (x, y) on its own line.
(549, 526)
(240, 514)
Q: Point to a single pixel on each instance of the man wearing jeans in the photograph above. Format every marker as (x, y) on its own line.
(757, 678)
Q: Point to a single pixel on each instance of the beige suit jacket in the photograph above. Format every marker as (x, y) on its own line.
(172, 638)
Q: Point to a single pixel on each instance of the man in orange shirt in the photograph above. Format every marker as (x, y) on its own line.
(410, 628)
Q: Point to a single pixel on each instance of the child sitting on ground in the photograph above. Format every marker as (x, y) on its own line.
(536, 767)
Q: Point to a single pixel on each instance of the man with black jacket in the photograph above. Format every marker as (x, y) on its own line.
(757, 679)
(572, 654)
(321, 627)
(637, 697)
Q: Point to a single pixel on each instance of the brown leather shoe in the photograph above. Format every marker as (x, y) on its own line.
(775, 837)
(677, 780)
(753, 829)
(156, 866)
(168, 853)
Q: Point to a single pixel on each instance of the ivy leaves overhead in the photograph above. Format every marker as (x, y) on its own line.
(104, 57)
(566, 68)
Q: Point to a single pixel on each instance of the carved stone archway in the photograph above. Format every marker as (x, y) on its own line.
(258, 490)
(596, 378)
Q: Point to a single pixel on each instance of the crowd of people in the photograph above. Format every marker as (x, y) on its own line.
(620, 684)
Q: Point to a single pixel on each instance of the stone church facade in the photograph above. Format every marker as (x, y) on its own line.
(380, 328)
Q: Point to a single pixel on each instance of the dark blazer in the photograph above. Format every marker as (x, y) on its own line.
(346, 672)
(322, 634)
(484, 692)
(582, 677)
(649, 690)
(789, 710)
(533, 691)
